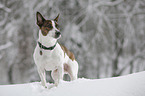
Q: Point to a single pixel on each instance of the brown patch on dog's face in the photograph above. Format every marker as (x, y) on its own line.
(46, 27)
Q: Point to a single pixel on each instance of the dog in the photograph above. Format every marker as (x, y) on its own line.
(49, 55)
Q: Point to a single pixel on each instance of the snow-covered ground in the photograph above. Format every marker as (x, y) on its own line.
(129, 85)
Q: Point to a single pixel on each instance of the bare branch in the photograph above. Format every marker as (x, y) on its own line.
(7, 45)
(103, 3)
(136, 56)
(5, 8)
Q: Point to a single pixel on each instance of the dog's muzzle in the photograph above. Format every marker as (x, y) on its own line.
(57, 34)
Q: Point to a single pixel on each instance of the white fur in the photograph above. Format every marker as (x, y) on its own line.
(53, 60)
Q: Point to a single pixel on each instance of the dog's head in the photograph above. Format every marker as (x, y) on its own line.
(48, 27)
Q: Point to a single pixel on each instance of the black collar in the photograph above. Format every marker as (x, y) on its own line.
(46, 48)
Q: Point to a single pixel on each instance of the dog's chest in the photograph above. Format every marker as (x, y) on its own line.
(50, 59)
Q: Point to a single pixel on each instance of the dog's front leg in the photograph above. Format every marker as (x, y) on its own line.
(42, 76)
(60, 75)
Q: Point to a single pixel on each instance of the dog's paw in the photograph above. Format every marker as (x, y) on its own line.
(52, 86)
(44, 86)
(55, 85)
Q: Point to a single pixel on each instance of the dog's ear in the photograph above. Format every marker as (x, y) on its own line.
(56, 19)
(40, 19)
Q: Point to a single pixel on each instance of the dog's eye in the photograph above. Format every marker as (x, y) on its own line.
(50, 26)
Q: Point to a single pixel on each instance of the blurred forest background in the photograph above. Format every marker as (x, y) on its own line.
(106, 36)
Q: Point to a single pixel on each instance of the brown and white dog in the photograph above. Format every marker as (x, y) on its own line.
(50, 55)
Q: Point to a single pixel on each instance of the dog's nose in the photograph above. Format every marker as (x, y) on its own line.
(57, 33)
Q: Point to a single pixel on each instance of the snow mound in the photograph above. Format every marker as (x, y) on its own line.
(130, 85)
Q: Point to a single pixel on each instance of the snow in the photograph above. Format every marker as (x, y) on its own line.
(129, 85)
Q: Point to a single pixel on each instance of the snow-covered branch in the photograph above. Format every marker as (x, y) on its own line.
(5, 8)
(108, 3)
(139, 54)
(5, 46)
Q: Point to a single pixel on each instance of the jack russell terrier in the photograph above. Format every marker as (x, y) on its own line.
(49, 55)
